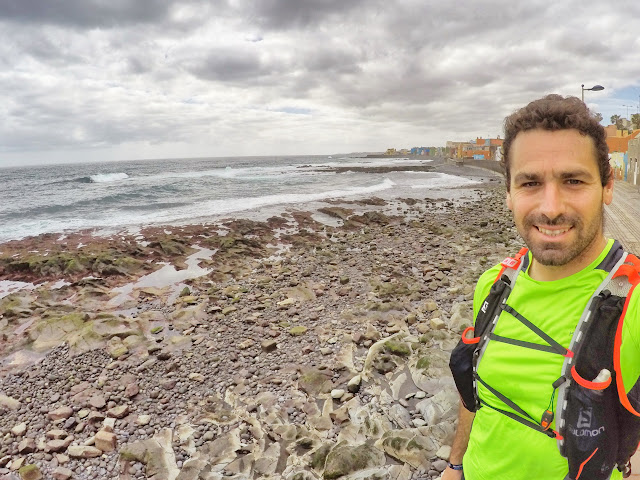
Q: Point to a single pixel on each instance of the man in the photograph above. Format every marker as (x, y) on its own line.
(558, 180)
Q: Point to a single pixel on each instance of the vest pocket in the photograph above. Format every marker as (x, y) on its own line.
(461, 365)
(590, 432)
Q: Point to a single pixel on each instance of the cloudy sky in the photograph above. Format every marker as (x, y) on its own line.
(97, 80)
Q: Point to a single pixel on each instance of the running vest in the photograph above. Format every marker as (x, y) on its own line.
(597, 421)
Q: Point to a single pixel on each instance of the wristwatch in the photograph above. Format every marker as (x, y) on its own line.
(455, 467)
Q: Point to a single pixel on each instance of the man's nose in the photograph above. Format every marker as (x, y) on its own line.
(552, 202)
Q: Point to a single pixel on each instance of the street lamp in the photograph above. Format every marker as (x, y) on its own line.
(595, 88)
(628, 110)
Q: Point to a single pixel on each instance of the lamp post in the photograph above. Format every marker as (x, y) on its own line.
(628, 110)
(595, 88)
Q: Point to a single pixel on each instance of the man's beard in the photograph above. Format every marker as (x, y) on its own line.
(554, 254)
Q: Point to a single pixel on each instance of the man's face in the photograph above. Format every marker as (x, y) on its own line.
(557, 197)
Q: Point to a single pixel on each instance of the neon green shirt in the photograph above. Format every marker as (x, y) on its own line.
(499, 447)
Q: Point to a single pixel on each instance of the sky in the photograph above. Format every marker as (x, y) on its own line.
(101, 80)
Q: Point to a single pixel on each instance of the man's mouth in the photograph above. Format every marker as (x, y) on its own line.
(553, 233)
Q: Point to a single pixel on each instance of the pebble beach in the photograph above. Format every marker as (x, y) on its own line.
(312, 344)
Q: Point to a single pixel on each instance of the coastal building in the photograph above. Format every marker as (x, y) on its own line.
(618, 142)
(414, 151)
(478, 149)
(420, 151)
(633, 162)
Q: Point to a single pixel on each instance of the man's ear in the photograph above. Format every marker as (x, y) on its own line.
(607, 192)
(509, 203)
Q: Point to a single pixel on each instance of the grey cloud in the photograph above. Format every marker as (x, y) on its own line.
(285, 14)
(84, 13)
(332, 61)
(88, 14)
(91, 72)
(226, 65)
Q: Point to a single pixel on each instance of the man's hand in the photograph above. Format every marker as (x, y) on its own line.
(451, 474)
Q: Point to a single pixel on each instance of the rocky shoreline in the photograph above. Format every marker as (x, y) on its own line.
(288, 348)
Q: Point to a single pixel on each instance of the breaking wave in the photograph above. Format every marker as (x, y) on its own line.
(103, 178)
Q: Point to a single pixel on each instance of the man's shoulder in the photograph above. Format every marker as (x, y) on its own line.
(484, 285)
(489, 276)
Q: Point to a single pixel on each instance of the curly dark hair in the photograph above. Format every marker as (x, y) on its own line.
(555, 112)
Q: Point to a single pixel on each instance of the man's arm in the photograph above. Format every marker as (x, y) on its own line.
(460, 442)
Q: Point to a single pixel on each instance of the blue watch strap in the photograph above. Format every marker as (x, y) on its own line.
(455, 467)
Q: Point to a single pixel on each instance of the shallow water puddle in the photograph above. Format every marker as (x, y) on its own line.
(21, 358)
(166, 276)
(8, 287)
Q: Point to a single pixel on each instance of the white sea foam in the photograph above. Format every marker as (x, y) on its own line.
(373, 162)
(108, 177)
(240, 173)
(232, 205)
(442, 180)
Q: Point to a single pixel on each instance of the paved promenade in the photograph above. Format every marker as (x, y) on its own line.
(622, 222)
(622, 217)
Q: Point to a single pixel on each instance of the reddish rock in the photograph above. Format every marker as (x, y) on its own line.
(118, 412)
(83, 451)
(106, 441)
(95, 417)
(58, 445)
(56, 434)
(27, 445)
(97, 401)
(61, 413)
(62, 473)
(131, 390)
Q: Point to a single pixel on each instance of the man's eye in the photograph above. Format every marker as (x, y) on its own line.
(574, 181)
(530, 184)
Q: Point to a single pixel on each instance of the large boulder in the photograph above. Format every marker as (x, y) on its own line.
(442, 407)
(409, 446)
(156, 453)
(315, 382)
(461, 317)
(345, 459)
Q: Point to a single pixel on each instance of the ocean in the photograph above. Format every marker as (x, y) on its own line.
(119, 195)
